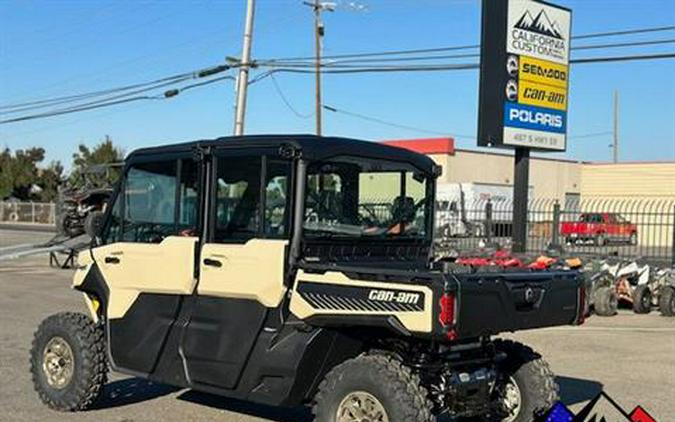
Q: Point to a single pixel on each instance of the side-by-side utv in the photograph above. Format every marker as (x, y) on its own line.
(293, 270)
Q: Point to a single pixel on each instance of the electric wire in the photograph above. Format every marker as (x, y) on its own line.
(466, 47)
(86, 107)
(285, 100)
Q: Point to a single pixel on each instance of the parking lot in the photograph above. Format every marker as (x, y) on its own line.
(631, 357)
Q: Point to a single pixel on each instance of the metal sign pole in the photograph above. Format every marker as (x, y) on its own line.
(521, 178)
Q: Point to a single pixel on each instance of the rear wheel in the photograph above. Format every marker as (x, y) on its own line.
(605, 301)
(372, 388)
(68, 361)
(667, 301)
(527, 387)
(642, 300)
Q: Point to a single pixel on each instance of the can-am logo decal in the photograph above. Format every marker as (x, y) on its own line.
(392, 296)
(601, 409)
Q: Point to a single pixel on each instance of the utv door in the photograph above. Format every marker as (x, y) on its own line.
(147, 257)
(241, 264)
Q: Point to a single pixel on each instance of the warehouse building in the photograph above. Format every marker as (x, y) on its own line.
(561, 179)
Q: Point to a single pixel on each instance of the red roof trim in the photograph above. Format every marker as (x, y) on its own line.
(425, 146)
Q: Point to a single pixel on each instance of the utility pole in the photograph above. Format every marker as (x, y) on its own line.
(244, 67)
(318, 34)
(318, 6)
(615, 145)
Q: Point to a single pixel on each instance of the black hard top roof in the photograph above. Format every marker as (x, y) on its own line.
(313, 148)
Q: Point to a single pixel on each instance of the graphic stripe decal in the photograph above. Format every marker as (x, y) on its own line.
(347, 298)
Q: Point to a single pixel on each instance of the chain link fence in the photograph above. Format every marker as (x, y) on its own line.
(601, 227)
(27, 212)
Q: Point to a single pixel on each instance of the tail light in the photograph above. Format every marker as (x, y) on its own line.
(447, 316)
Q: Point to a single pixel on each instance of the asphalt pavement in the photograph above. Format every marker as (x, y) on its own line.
(631, 357)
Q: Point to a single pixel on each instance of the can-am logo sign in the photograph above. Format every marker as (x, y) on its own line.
(538, 30)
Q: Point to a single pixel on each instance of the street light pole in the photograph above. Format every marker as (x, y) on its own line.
(244, 67)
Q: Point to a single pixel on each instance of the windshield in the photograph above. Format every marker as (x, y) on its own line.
(362, 198)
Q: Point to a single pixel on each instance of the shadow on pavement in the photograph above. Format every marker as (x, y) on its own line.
(130, 391)
(277, 414)
(576, 390)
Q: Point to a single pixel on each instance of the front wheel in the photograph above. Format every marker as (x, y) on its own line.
(642, 299)
(373, 388)
(605, 301)
(68, 361)
(527, 387)
(667, 301)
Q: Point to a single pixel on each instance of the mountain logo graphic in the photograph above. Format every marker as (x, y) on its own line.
(542, 24)
(600, 409)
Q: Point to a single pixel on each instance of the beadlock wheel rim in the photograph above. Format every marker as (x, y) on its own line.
(360, 406)
(512, 400)
(58, 363)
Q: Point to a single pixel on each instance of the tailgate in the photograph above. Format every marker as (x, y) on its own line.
(490, 303)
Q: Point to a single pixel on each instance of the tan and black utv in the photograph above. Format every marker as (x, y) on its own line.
(293, 270)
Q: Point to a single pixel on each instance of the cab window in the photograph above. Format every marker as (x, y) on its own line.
(247, 208)
(157, 199)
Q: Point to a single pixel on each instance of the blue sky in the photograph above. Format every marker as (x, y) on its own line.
(54, 48)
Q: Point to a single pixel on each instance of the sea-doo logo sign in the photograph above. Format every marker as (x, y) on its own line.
(394, 296)
(538, 30)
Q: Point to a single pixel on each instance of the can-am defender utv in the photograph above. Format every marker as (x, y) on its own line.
(294, 270)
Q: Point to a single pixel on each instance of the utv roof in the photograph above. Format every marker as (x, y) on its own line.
(312, 147)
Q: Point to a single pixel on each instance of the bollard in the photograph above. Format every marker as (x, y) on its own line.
(488, 221)
(555, 232)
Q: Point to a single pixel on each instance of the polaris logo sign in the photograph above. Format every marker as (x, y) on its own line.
(534, 118)
(524, 75)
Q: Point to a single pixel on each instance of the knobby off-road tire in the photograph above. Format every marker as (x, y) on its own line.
(533, 378)
(605, 301)
(642, 300)
(93, 223)
(59, 336)
(384, 378)
(667, 301)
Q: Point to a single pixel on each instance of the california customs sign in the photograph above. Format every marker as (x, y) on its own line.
(525, 48)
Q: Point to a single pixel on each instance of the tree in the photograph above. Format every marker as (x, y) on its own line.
(103, 153)
(20, 176)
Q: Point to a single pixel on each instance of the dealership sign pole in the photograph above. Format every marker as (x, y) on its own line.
(523, 88)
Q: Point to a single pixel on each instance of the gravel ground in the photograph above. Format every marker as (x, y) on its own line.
(631, 357)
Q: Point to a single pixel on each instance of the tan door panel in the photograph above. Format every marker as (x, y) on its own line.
(134, 268)
(254, 270)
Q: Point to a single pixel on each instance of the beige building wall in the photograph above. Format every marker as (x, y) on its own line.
(549, 178)
(628, 180)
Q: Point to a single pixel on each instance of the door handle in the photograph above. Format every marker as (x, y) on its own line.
(213, 263)
(112, 260)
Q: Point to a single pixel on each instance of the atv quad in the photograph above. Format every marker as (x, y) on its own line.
(254, 268)
(81, 205)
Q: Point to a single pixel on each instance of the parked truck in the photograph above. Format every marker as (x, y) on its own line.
(601, 228)
(460, 209)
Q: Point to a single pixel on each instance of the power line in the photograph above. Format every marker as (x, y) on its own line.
(466, 47)
(391, 124)
(124, 91)
(286, 101)
(92, 106)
